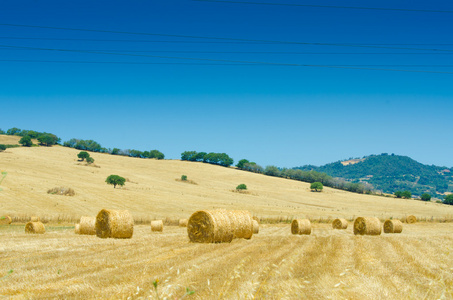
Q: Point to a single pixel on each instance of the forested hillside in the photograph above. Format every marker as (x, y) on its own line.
(391, 173)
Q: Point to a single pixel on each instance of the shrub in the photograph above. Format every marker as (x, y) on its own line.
(316, 186)
(406, 195)
(426, 197)
(90, 160)
(184, 177)
(2, 147)
(115, 180)
(83, 155)
(241, 187)
(448, 199)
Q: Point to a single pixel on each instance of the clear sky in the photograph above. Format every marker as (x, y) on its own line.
(283, 85)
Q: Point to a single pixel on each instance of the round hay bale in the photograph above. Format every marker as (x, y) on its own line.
(35, 227)
(183, 222)
(393, 226)
(77, 229)
(367, 226)
(256, 219)
(34, 219)
(117, 224)
(157, 225)
(87, 225)
(256, 227)
(210, 226)
(411, 219)
(5, 220)
(301, 226)
(340, 224)
(242, 222)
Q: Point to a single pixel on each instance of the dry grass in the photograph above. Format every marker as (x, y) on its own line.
(328, 264)
(63, 191)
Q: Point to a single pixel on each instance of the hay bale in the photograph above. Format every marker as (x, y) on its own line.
(210, 226)
(256, 227)
(301, 226)
(77, 229)
(117, 224)
(411, 219)
(87, 225)
(393, 226)
(340, 224)
(157, 225)
(242, 222)
(34, 219)
(35, 227)
(257, 219)
(183, 222)
(367, 226)
(5, 220)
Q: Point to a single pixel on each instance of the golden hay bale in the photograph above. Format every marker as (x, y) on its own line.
(242, 222)
(183, 222)
(35, 227)
(411, 219)
(210, 226)
(77, 229)
(34, 219)
(340, 224)
(5, 220)
(301, 226)
(117, 224)
(393, 226)
(157, 225)
(256, 219)
(367, 226)
(87, 225)
(256, 227)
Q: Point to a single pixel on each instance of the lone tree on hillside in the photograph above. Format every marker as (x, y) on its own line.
(316, 186)
(115, 180)
(26, 141)
(83, 155)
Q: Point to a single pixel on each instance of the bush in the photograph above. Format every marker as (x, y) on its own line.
(448, 199)
(426, 197)
(90, 160)
(115, 180)
(2, 147)
(316, 186)
(83, 155)
(184, 177)
(241, 187)
(26, 141)
(406, 195)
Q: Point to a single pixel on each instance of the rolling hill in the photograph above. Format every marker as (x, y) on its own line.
(391, 173)
(152, 189)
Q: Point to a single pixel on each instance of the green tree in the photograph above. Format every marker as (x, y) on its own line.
(90, 160)
(83, 155)
(115, 151)
(26, 141)
(398, 194)
(2, 147)
(448, 199)
(425, 197)
(406, 195)
(156, 154)
(316, 186)
(241, 187)
(13, 131)
(115, 180)
(241, 163)
(184, 177)
(48, 139)
(272, 171)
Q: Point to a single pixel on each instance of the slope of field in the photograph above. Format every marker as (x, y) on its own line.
(328, 264)
(152, 190)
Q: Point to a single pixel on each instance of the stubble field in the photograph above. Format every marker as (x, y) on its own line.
(328, 264)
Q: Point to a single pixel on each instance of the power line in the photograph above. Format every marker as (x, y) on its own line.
(160, 41)
(328, 6)
(223, 38)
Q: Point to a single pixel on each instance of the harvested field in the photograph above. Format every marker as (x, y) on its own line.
(416, 264)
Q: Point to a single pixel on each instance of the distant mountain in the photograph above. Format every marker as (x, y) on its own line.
(390, 173)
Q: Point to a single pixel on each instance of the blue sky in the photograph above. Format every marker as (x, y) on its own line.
(276, 84)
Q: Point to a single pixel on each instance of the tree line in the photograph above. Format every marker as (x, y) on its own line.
(44, 138)
(221, 159)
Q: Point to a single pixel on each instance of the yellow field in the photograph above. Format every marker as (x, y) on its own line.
(328, 264)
